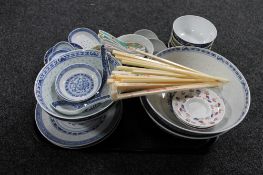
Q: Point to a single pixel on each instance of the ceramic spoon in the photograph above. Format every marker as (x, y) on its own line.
(69, 108)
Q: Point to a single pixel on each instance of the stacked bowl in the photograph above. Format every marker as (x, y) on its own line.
(73, 109)
(190, 30)
(235, 94)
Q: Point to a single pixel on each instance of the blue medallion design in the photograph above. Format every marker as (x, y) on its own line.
(79, 85)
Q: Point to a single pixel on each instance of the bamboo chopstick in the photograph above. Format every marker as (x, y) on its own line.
(163, 90)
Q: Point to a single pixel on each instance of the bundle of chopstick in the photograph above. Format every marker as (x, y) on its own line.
(141, 76)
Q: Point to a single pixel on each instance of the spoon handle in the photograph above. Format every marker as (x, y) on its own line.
(77, 108)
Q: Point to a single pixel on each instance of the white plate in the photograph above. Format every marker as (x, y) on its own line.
(146, 33)
(84, 37)
(158, 45)
(78, 134)
(235, 93)
(55, 55)
(201, 108)
(44, 85)
(78, 82)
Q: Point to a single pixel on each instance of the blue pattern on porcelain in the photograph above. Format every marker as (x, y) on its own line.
(79, 85)
(46, 98)
(63, 45)
(48, 52)
(77, 134)
(223, 60)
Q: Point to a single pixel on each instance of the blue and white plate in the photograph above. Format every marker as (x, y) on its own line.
(78, 134)
(55, 55)
(84, 37)
(78, 82)
(48, 52)
(63, 45)
(76, 46)
(44, 89)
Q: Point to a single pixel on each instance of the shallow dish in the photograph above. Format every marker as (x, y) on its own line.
(84, 37)
(78, 134)
(200, 108)
(194, 30)
(158, 45)
(171, 130)
(55, 55)
(78, 82)
(76, 46)
(146, 33)
(48, 52)
(44, 85)
(235, 94)
(133, 38)
(63, 45)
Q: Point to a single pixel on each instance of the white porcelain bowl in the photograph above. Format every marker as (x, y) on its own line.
(133, 38)
(235, 94)
(194, 29)
(146, 33)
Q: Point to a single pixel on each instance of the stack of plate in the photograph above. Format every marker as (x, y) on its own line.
(177, 113)
(190, 30)
(75, 77)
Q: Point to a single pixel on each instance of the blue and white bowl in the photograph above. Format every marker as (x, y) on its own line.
(78, 82)
(84, 37)
(78, 134)
(235, 93)
(44, 89)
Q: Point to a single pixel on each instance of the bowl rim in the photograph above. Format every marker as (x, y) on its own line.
(51, 64)
(196, 17)
(151, 50)
(219, 58)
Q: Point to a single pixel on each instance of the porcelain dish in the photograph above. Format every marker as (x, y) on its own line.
(84, 37)
(146, 33)
(133, 38)
(215, 64)
(200, 108)
(78, 82)
(78, 134)
(45, 87)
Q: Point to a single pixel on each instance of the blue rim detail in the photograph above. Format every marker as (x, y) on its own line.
(67, 46)
(51, 56)
(51, 65)
(49, 136)
(224, 61)
(186, 43)
(48, 52)
(73, 32)
(76, 66)
(76, 46)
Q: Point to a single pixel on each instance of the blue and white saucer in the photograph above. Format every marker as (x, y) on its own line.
(84, 37)
(63, 45)
(78, 82)
(78, 134)
(47, 54)
(55, 55)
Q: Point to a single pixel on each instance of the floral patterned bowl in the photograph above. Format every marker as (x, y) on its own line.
(78, 82)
